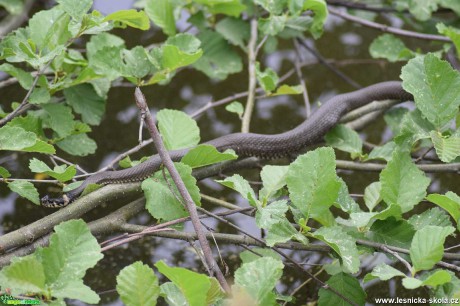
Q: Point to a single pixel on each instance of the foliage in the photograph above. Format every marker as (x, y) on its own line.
(56, 271)
(67, 67)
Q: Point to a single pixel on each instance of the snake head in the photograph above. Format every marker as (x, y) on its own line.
(55, 202)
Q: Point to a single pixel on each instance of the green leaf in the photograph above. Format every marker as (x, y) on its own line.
(427, 246)
(392, 232)
(434, 216)
(394, 117)
(13, 7)
(177, 129)
(272, 25)
(161, 202)
(72, 186)
(194, 286)
(271, 214)
(344, 200)
(239, 184)
(452, 4)
(161, 12)
(227, 7)
(25, 189)
(49, 34)
(434, 279)
(80, 145)
(138, 285)
(451, 32)
(132, 18)
(25, 79)
(172, 295)
(273, 179)
(447, 147)
(345, 139)
(4, 173)
(23, 275)
(215, 293)
(312, 183)
(389, 47)
(76, 9)
(72, 251)
(346, 285)
(319, 8)
(16, 138)
(449, 290)
(39, 96)
(185, 42)
(283, 231)
(86, 102)
(403, 184)
(273, 219)
(268, 79)
(218, 60)
(100, 41)
(258, 278)
(174, 58)
(60, 118)
(449, 202)
(235, 107)
(107, 61)
(287, 90)
(40, 147)
(343, 244)
(434, 84)
(61, 173)
(383, 272)
(357, 219)
(273, 7)
(422, 9)
(136, 63)
(415, 126)
(384, 152)
(235, 31)
(204, 155)
(372, 195)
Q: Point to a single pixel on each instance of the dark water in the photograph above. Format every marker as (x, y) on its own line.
(188, 91)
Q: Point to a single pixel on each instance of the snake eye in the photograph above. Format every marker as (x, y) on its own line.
(45, 199)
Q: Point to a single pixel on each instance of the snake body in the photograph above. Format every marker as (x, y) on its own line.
(310, 132)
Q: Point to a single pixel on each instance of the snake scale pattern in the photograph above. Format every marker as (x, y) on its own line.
(310, 132)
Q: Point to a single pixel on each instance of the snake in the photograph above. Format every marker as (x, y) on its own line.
(308, 133)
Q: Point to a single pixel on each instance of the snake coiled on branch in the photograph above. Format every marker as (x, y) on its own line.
(308, 133)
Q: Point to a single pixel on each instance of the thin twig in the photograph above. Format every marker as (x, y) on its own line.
(304, 284)
(365, 7)
(25, 101)
(323, 61)
(282, 254)
(69, 163)
(262, 42)
(252, 78)
(396, 255)
(421, 157)
(12, 22)
(298, 70)
(166, 159)
(387, 29)
(349, 165)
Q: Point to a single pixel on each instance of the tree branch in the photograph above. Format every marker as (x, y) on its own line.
(190, 205)
(252, 77)
(387, 29)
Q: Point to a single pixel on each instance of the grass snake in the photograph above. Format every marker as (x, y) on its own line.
(310, 132)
